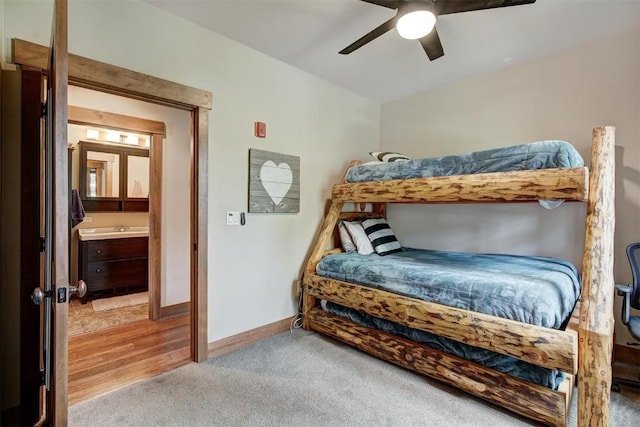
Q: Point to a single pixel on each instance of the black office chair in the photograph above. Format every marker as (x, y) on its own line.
(631, 294)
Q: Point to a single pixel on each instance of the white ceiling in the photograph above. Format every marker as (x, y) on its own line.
(309, 33)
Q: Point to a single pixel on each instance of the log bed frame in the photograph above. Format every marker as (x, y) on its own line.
(583, 348)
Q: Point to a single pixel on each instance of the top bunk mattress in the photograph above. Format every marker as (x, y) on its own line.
(535, 155)
(535, 290)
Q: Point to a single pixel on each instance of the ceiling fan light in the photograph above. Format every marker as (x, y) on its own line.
(416, 24)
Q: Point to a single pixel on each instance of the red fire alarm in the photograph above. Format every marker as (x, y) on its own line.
(260, 129)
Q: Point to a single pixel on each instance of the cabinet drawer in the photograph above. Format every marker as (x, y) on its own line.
(113, 249)
(113, 274)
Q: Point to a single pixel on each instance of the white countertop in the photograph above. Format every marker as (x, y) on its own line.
(112, 233)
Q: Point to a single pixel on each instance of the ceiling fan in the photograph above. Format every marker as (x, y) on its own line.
(416, 19)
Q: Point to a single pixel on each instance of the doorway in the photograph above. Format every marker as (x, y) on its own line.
(91, 74)
(132, 135)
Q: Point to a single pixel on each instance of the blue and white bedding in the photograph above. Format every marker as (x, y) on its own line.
(536, 290)
(535, 155)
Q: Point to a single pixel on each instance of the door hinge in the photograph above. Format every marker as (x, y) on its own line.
(43, 109)
(42, 244)
(42, 380)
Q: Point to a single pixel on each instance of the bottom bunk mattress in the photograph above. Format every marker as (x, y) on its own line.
(536, 290)
(545, 377)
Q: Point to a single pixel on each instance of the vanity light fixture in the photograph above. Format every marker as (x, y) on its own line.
(113, 136)
(93, 134)
(132, 139)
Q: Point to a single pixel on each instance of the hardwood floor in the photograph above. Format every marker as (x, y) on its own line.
(108, 359)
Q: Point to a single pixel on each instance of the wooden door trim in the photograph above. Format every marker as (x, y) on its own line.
(155, 227)
(119, 81)
(199, 233)
(58, 404)
(97, 75)
(86, 116)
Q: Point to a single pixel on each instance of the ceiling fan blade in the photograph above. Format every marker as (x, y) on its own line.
(391, 4)
(445, 7)
(432, 46)
(374, 34)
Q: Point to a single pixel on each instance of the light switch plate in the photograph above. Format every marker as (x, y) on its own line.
(233, 218)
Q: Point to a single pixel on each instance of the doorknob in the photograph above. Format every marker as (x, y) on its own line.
(38, 296)
(80, 290)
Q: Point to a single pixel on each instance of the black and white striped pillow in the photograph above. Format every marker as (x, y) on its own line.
(381, 236)
(388, 156)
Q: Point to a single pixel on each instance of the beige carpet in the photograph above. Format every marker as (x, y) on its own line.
(120, 302)
(304, 379)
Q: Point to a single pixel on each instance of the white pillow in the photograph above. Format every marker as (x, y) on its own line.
(345, 238)
(359, 237)
(388, 156)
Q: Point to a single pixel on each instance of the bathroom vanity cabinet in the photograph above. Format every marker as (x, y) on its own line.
(114, 266)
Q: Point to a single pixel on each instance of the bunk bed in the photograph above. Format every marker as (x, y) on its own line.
(580, 348)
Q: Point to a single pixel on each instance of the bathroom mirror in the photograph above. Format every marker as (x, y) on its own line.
(113, 178)
(137, 177)
(102, 174)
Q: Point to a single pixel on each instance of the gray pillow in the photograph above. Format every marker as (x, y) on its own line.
(359, 237)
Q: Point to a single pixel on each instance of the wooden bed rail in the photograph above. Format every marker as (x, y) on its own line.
(595, 332)
(523, 397)
(498, 187)
(546, 347)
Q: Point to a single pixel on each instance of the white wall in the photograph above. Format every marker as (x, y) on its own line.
(251, 268)
(558, 97)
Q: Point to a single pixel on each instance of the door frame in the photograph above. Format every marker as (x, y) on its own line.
(91, 74)
(157, 131)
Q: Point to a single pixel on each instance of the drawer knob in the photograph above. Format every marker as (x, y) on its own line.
(98, 270)
(99, 251)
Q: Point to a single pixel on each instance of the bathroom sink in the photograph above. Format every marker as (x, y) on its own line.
(112, 233)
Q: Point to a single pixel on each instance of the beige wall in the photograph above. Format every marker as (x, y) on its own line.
(557, 97)
(251, 269)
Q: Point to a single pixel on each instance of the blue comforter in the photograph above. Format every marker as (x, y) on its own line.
(536, 290)
(535, 155)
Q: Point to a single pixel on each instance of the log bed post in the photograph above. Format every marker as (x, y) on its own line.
(596, 302)
(322, 240)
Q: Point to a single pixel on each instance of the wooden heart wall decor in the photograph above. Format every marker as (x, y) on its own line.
(274, 182)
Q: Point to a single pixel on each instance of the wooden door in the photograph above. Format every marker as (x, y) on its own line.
(35, 220)
(57, 406)
(56, 216)
(21, 245)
